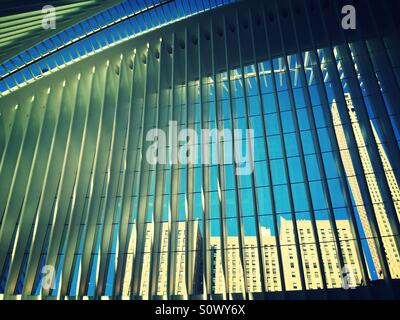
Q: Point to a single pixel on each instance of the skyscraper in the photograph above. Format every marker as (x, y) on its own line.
(252, 273)
(376, 197)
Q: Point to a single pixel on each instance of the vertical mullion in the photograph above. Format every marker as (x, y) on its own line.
(2, 132)
(99, 178)
(342, 171)
(371, 146)
(321, 164)
(328, 199)
(18, 185)
(237, 196)
(115, 167)
(176, 169)
(159, 185)
(388, 142)
(384, 113)
(354, 156)
(189, 224)
(253, 187)
(12, 148)
(143, 179)
(135, 176)
(9, 118)
(188, 203)
(394, 81)
(69, 176)
(270, 182)
(53, 174)
(172, 221)
(376, 161)
(365, 66)
(221, 178)
(136, 192)
(85, 166)
(388, 8)
(205, 182)
(12, 151)
(127, 186)
(60, 158)
(286, 167)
